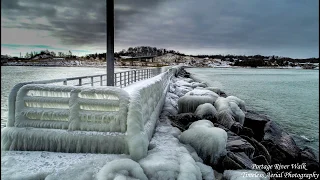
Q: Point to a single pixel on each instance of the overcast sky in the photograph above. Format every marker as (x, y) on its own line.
(246, 27)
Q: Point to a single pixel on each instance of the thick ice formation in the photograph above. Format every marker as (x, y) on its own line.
(238, 101)
(208, 141)
(192, 99)
(73, 108)
(206, 171)
(190, 103)
(31, 165)
(144, 109)
(121, 169)
(198, 84)
(228, 112)
(214, 89)
(245, 175)
(206, 110)
(170, 159)
(55, 140)
(203, 92)
(238, 114)
(170, 106)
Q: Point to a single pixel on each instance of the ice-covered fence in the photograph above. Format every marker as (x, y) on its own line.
(121, 79)
(86, 119)
(68, 119)
(72, 108)
(146, 102)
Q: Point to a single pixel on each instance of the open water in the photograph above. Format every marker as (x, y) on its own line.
(290, 97)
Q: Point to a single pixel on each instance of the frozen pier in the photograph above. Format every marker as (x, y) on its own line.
(64, 115)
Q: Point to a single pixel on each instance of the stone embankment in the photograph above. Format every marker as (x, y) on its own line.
(257, 144)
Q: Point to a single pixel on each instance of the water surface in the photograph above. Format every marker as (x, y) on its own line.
(290, 97)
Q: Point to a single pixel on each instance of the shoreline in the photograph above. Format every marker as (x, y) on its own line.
(138, 67)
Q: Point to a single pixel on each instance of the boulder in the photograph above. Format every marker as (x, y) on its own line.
(183, 120)
(259, 148)
(256, 122)
(229, 163)
(237, 144)
(236, 128)
(309, 157)
(223, 94)
(242, 159)
(245, 131)
(280, 145)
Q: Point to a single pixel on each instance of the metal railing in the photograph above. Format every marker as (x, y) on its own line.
(121, 79)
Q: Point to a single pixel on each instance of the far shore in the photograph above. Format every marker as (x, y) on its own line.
(134, 67)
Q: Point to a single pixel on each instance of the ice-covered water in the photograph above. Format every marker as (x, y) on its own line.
(290, 97)
(12, 75)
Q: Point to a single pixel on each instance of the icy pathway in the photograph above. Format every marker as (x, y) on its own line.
(39, 164)
(167, 159)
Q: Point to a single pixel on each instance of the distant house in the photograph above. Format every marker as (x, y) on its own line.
(58, 58)
(140, 58)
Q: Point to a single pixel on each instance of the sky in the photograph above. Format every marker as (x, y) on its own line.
(288, 28)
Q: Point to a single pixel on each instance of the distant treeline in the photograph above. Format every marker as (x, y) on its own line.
(240, 60)
(136, 52)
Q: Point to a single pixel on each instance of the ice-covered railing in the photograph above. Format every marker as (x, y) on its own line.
(146, 103)
(72, 108)
(121, 79)
(86, 119)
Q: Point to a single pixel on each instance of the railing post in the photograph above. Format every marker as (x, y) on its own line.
(80, 82)
(115, 76)
(64, 82)
(135, 76)
(91, 81)
(124, 79)
(120, 79)
(100, 80)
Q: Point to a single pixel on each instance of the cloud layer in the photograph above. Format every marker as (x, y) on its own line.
(286, 27)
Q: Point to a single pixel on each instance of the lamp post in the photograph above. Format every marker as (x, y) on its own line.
(110, 42)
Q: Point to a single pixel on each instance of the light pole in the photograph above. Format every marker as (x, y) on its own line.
(110, 42)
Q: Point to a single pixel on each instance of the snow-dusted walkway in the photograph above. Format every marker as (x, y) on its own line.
(167, 158)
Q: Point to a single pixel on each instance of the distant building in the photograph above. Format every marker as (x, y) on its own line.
(140, 58)
(58, 59)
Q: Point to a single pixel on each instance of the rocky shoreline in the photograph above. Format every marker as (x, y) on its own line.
(258, 144)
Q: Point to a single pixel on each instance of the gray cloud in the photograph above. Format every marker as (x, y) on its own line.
(287, 27)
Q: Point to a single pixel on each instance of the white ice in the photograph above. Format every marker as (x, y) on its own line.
(208, 141)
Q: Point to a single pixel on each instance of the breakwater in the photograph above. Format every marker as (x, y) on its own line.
(258, 141)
